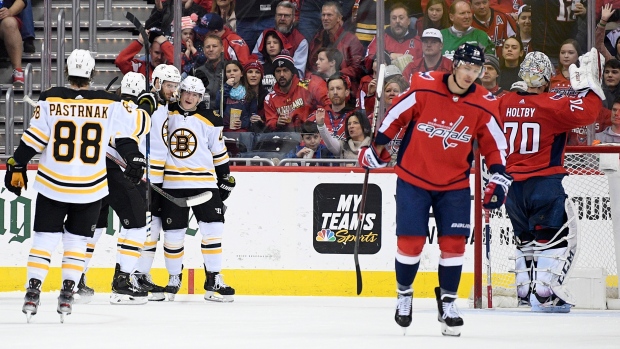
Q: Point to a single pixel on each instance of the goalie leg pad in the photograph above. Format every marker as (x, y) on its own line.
(523, 271)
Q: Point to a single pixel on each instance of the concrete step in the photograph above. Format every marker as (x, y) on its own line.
(139, 8)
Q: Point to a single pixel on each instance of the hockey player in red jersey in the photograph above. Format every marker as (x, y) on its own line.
(443, 114)
(536, 124)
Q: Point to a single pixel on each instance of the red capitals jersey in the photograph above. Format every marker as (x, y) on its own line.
(501, 27)
(437, 148)
(536, 128)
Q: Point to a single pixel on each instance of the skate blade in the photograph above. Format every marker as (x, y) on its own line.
(171, 296)
(28, 315)
(561, 309)
(454, 331)
(157, 297)
(125, 299)
(212, 297)
(81, 299)
(62, 318)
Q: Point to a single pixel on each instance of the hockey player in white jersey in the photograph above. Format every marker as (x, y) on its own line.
(197, 162)
(70, 127)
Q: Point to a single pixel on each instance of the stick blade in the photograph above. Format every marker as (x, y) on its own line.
(199, 199)
(358, 275)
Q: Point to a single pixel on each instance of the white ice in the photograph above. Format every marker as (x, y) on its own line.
(293, 322)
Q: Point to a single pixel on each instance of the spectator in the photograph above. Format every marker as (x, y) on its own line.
(357, 135)
(285, 15)
(432, 60)
(226, 10)
(234, 46)
(253, 17)
(334, 35)
(310, 146)
(491, 76)
(611, 82)
(510, 61)
(292, 100)
(369, 103)
(435, 16)
(393, 87)
(560, 82)
(210, 72)
(27, 29)
(160, 52)
(462, 32)
(163, 14)
(311, 15)
(270, 48)
(328, 62)
(524, 27)
(253, 73)
(338, 110)
(606, 13)
(611, 134)
(498, 25)
(10, 25)
(400, 42)
(509, 7)
(192, 54)
(363, 97)
(237, 109)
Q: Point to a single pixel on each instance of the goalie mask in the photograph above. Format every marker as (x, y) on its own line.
(80, 63)
(133, 84)
(536, 69)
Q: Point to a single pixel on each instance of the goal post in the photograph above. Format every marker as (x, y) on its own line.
(593, 186)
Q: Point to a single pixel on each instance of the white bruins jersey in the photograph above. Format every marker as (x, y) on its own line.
(195, 147)
(71, 128)
(140, 122)
(159, 147)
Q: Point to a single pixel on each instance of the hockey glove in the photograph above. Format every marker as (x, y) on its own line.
(136, 163)
(147, 102)
(588, 76)
(226, 184)
(15, 177)
(368, 158)
(496, 190)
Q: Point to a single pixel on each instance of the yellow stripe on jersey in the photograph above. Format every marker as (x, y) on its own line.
(74, 190)
(180, 178)
(201, 170)
(78, 101)
(366, 26)
(38, 140)
(220, 158)
(199, 117)
(72, 179)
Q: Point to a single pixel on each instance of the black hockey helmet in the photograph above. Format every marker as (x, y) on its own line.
(469, 53)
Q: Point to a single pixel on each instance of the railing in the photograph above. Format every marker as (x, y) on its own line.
(75, 31)
(60, 50)
(310, 162)
(9, 128)
(92, 25)
(250, 161)
(46, 59)
(27, 93)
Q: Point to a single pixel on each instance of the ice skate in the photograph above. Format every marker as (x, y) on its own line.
(174, 284)
(449, 316)
(404, 309)
(84, 293)
(551, 304)
(145, 281)
(65, 300)
(217, 290)
(32, 298)
(127, 290)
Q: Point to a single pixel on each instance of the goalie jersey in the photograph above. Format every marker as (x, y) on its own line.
(71, 128)
(195, 147)
(537, 126)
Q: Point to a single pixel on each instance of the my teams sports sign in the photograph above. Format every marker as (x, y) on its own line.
(336, 218)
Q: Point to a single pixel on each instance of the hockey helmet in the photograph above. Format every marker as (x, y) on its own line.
(165, 72)
(469, 53)
(536, 69)
(193, 84)
(80, 63)
(133, 84)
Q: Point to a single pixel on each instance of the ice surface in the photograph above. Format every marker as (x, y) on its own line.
(293, 322)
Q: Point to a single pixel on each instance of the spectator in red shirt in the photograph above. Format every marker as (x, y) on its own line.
(432, 46)
(491, 76)
(160, 52)
(498, 25)
(235, 47)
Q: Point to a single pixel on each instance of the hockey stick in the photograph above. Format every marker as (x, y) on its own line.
(181, 202)
(30, 101)
(487, 237)
(360, 215)
(111, 82)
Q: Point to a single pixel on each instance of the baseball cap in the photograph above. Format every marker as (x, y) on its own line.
(392, 70)
(492, 61)
(209, 22)
(432, 33)
(519, 86)
(524, 8)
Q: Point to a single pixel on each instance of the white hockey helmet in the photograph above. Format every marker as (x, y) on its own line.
(80, 63)
(193, 84)
(133, 84)
(165, 72)
(536, 69)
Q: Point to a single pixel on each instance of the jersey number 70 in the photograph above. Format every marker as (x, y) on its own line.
(524, 139)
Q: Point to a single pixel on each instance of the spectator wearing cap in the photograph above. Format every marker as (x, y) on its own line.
(334, 35)
(490, 78)
(400, 42)
(253, 73)
(160, 52)
(524, 25)
(292, 100)
(432, 44)
(462, 31)
(498, 25)
(270, 48)
(192, 55)
(162, 15)
(235, 47)
(211, 72)
(339, 108)
(285, 25)
(10, 25)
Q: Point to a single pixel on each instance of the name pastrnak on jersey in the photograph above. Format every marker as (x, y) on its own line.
(71, 128)
(195, 147)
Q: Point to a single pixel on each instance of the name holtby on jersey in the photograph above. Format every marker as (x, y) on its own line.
(447, 132)
(520, 112)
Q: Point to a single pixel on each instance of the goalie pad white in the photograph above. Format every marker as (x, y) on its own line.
(588, 76)
(553, 266)
(523, 274)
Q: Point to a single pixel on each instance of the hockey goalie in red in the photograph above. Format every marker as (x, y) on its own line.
(537, 124)
(443, 114)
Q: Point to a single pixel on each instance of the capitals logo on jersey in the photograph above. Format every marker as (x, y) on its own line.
(447, 132)
(238, 42)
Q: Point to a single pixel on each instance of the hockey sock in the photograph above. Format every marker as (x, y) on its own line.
(131, 247)
(73, 257)
(406, 269)
(150, 247)
(173, 250)
(211, 245)
(90, 247)
(41, 254)
(119, 243)
(449, 273)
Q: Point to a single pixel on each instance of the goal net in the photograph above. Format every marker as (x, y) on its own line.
(588, 187)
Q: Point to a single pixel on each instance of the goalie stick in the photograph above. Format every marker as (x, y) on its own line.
(360, 216)
(181, 202)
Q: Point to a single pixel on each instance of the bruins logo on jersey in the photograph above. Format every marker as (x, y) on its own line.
(164, 132)
(183, 143)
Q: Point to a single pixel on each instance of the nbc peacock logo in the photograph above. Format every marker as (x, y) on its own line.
(325, 235)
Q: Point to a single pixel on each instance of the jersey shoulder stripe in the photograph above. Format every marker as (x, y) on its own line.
(68, 93)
